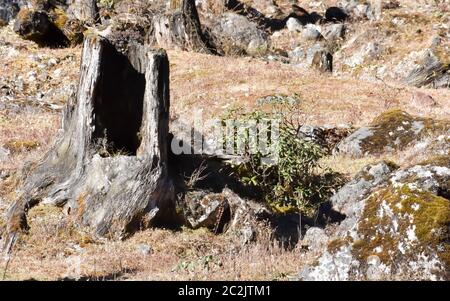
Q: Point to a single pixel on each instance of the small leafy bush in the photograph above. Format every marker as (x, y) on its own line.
(293, 182)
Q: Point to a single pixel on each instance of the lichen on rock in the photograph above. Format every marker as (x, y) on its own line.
(397, 226)
(403, 226)
(391, 131)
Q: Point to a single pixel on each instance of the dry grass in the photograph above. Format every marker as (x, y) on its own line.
(346, 165)
(184, 255)
(54, 247)
(240, 82)
(26, 136)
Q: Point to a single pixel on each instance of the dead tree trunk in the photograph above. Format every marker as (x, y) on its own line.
(85, 10)
(180, 28)
(109, 168)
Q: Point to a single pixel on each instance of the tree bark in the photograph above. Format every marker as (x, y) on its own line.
(180, 28)
(85, 10)
(108, 169)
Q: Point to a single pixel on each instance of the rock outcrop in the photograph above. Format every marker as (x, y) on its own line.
(397, 226)
(224, 212)
(391, 131)
(37, 26)
(56, 25)
(235, 34)
(426, 68)
(358, 10)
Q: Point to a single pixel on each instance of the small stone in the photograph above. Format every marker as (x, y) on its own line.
(43, 76)
(247, 235)
(272, 9)
(4, 175)
(373, 50)
(421, 100)
(315, 238)
(144, 249)
(334, 32)
(57, 73)
(362, 11)
(32, 76)
(435, 42)
(52, 62)
(311, 32)
(293, 24)
(320, 58)
(4, 154)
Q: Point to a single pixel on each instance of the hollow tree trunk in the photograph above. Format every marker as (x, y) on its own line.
(180, 28)
(109, 168)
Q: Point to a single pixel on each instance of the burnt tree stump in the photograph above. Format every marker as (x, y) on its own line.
(108, 170)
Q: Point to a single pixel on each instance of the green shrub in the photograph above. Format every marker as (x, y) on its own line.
(293, 182)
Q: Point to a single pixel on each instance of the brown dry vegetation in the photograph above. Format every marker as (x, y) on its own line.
(53, 249)
(215, 85)
(235, 82)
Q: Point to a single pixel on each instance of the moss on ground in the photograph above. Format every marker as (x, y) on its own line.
(16, 146)
(441, 160)
(335, 245)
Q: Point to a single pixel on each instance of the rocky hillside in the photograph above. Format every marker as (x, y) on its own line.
(367, 84)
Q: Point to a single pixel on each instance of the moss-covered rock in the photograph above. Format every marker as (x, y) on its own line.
(56, 24)
(223, 212)
(399, 229)
(37, 26)
(391, 131)
(408, 230)
(347, 198)
(71, 27)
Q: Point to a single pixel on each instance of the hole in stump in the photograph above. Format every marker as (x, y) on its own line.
(118, 105)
